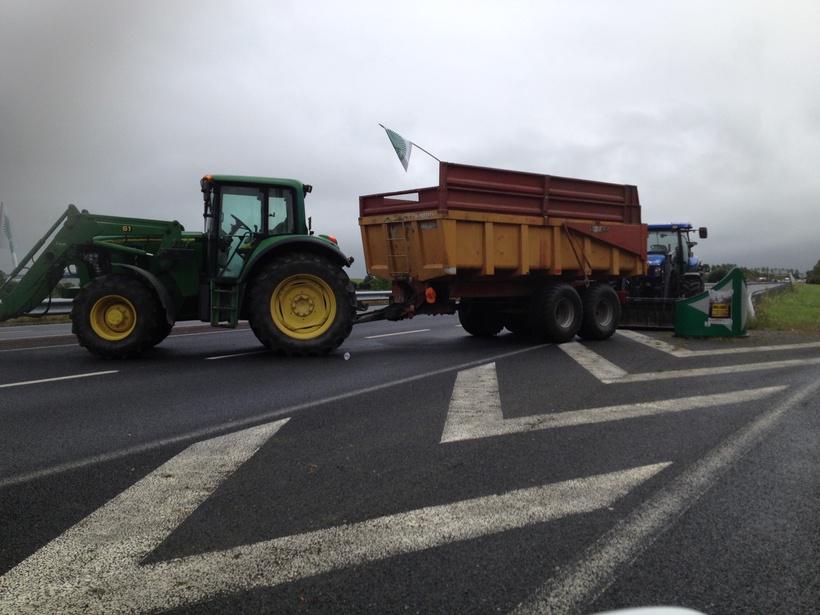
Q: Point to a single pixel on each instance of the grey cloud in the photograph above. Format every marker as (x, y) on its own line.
(120, 107)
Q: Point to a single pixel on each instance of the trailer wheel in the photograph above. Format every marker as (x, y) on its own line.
(555, 314)
(602, 312)
(300, 304)
(115, 316)
(518, 324)
(479, 319)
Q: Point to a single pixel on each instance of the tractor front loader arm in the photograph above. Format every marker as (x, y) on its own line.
(35, 277)
(81, 238)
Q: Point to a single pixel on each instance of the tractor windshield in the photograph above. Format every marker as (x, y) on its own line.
(663, 241)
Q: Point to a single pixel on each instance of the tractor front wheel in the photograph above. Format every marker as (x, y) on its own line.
(300, 304)
(115, 316)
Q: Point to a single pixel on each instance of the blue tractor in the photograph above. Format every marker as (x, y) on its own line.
(673, 272)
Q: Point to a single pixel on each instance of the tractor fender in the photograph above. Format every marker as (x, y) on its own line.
(160, 288)
(270, 248)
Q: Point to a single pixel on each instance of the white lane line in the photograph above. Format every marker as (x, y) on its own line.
(57, 379)
(609, 373)
(475, 408)
(95, 565)
(657, 344)
(594, 363)
(222, 331)
(238, 354)
(685, 352)
(475, 405)
(714, 371)
(372, 337)
(105, 548)
(18, 479)
(579, 584)
(75, 345)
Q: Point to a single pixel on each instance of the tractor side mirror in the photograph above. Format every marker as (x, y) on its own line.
(703, 232)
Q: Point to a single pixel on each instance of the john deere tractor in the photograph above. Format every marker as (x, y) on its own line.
(257, 260)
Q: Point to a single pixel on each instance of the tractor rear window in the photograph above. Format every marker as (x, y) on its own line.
(280, 210)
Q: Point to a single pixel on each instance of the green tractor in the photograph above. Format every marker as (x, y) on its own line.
(257, 259)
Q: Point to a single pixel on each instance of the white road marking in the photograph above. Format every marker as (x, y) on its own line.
(58, 378)
(657, 344)
(475, 408)
(221, 331)
(578, 584)
(105, 548)
(372, 337)
(609, 373)
(685, 352)
(237, 354)
(95, 565)
(246, 421)
(75, 345)
(594, 363)
(714, 371)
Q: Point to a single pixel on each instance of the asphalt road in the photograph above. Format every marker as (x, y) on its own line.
(416, 469)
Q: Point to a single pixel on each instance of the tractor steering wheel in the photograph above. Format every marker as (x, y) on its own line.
(238, 224)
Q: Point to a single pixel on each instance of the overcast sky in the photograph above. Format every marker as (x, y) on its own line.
(711, 108)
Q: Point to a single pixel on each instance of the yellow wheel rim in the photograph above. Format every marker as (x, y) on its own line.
(303, 307)
(113, 318)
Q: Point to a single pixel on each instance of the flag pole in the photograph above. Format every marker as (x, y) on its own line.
(425, 151)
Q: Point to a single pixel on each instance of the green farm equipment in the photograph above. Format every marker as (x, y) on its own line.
(257, 260)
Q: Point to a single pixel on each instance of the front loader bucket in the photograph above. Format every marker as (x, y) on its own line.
(647, 313)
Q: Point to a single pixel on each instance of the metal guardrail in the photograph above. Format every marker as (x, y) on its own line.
(380, 297)
(63, 306)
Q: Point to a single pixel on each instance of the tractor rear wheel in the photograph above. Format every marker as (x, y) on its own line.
(602, 312)
(555, 314)
(116, 316)
(162, 330)
(301, 304)
(479, 319)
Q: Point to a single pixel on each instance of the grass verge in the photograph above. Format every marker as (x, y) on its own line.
(794, 310)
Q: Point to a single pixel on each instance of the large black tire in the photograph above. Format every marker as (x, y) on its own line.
(692, 285)
(301, 304)
(116, 316)
(602, 312)
(518, 324)
(555, 314)
(479, 319)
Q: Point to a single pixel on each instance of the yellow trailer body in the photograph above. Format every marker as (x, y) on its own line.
(488, 224)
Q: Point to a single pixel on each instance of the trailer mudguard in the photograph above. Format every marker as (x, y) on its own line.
(160, 288)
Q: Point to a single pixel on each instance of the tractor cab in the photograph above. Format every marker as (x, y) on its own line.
(241, 212)
(670, 247)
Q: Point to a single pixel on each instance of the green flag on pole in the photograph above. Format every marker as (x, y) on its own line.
(402, 146)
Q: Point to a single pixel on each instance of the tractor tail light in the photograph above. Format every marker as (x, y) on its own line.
(430, 294)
